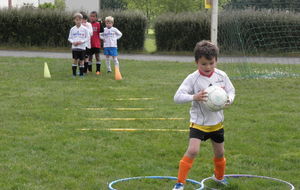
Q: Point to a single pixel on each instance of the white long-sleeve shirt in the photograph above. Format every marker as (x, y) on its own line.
(79, 34)
(90, 29)
(195, 82)
(110, 37)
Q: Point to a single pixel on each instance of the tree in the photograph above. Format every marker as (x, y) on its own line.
(47, 6)
(60, 4)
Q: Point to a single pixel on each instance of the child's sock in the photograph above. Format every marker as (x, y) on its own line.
(81, 68)
(86, 64)
(116, 62)
(74, 68)
(98, 64)
(220, 164)
(90, 66)
(108, 65)
(185, 165)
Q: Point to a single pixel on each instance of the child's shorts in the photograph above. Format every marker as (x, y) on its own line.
(216, 136)
(88, 52)
(78, 54)
(93, 51)
(112, 51)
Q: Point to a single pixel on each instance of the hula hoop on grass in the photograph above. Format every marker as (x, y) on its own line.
(110, 185)
(250, 176)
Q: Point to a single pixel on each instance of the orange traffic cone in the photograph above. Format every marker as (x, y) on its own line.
(118, 75)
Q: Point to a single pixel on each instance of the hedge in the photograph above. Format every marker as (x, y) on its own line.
(246, 31)
(35, 27)
(132, 24)
(179, 32)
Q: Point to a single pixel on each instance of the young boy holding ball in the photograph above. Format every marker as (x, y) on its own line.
(204, 124)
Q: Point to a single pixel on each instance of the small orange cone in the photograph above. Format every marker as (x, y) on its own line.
(118, 75)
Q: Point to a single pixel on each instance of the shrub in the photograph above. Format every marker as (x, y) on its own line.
(36, 27)
(132, 24)
(179, 32)
(259, 31)
(246, 31)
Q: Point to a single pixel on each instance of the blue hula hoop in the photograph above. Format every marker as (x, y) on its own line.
(110, 185)
(249, 176)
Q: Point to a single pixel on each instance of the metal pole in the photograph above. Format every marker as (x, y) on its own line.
(10, 4)
(99, 6)
(214, 22)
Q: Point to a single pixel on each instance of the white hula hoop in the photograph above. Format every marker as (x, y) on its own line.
(249, 176)
(110, 185)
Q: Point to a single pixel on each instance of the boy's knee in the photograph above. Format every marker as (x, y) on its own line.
(192, 152)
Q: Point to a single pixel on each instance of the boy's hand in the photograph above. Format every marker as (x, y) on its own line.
(75, 43)
(227, 103)
(200, 96)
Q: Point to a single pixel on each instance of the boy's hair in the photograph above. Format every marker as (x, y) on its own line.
(207, 49)
(77, 15)
(94, 12)
(84, 15)
(109, 19)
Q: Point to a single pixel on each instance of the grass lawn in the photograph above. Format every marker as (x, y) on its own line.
(43, 146)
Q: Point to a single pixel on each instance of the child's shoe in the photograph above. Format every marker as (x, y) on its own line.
(98, 73)
(221, 181)
(178, 186)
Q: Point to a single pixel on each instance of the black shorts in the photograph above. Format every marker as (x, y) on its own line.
(78, 54)
(216, 136)
(87, 52)
(94, 51)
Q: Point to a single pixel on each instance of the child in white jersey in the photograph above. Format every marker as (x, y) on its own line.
(204, 124)
(78, 37)
(110, 37)
(88, 25)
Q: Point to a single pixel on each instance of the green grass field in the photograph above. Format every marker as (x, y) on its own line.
(44, 148)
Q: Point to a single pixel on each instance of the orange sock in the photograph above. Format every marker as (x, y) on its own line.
(185, 165)
(220, 164)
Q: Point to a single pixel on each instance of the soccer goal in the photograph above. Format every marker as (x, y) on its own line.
(259, 40)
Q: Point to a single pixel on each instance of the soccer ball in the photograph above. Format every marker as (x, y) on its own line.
(216, 98)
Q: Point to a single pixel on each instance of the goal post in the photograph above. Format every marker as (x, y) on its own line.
(214, 22)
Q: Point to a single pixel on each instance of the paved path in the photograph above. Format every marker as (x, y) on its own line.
(143, 57)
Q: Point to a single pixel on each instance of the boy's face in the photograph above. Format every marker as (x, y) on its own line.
(207, 66)
(93, 17)
(78, 21)
(108, 24)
